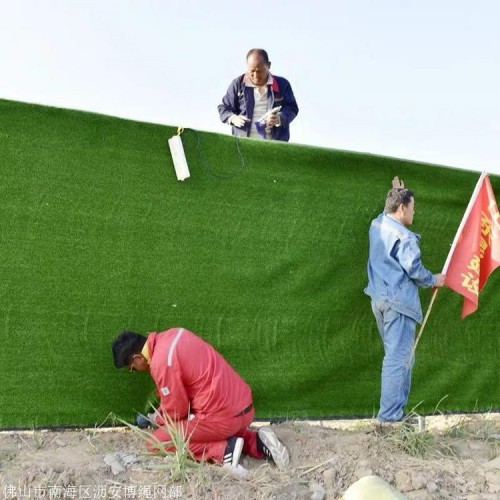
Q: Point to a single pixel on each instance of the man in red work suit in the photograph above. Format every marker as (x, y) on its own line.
(202, 394)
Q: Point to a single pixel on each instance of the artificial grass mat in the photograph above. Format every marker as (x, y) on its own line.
(262, 252)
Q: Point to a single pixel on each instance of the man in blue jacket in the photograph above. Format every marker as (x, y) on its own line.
(395, 272)
(259, 104)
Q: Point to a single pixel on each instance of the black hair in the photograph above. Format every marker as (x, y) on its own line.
(260, 52)
(396, 197)
(126, 345)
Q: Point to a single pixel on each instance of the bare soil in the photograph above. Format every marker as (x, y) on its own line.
(454, 458)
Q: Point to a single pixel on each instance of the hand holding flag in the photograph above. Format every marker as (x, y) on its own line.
(475, 252)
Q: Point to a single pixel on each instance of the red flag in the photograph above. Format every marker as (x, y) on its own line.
(476, 249)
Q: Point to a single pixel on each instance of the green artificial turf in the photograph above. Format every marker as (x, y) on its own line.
(262, 252)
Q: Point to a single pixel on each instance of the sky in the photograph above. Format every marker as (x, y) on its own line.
(410, 79)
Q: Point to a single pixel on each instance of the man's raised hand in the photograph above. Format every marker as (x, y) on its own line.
(397, 183)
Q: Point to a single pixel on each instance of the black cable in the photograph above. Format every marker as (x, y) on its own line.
(206, 165)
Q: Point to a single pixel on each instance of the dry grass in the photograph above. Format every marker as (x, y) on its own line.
(473, 427)
(408, 436)
(409, 439)
(178, 463)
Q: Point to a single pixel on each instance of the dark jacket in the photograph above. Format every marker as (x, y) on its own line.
(239, 100)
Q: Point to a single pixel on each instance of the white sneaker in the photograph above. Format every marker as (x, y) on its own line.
(273, 447)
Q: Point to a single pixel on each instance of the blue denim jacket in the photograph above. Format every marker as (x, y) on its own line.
(395, 270)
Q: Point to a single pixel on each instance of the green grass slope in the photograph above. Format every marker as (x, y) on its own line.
(262, 252)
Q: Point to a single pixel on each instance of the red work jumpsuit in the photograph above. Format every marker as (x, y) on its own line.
(191, 377)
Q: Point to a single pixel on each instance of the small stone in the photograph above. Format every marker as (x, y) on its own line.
(494, 488)
(477, 445)
(418, 481)
(431, 487)
(492, 477)
(330, 477)
(113, 461)
(128, 458)
(403, 481)
(59, 442)
(493, 464)
(318, 492)
(480, 480)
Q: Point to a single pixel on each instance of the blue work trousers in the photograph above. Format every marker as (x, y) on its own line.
(398, 335)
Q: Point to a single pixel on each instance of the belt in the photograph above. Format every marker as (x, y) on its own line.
(245, 411)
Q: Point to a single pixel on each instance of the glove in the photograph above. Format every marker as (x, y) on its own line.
(273, 120)
(143, 422)
(238, 120)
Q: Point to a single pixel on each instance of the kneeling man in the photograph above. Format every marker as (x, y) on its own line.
(202, 395)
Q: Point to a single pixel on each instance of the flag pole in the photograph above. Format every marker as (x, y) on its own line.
(422, 326)
(448, 259)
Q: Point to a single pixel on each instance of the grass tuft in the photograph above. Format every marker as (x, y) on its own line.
(473, 427)
(408, 439)
(407, 436)
(178, 462)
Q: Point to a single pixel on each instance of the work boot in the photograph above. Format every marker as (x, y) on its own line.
(410, 421)
(269, 444)
(233, 451)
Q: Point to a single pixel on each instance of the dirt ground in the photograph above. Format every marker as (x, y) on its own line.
(456, 457)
